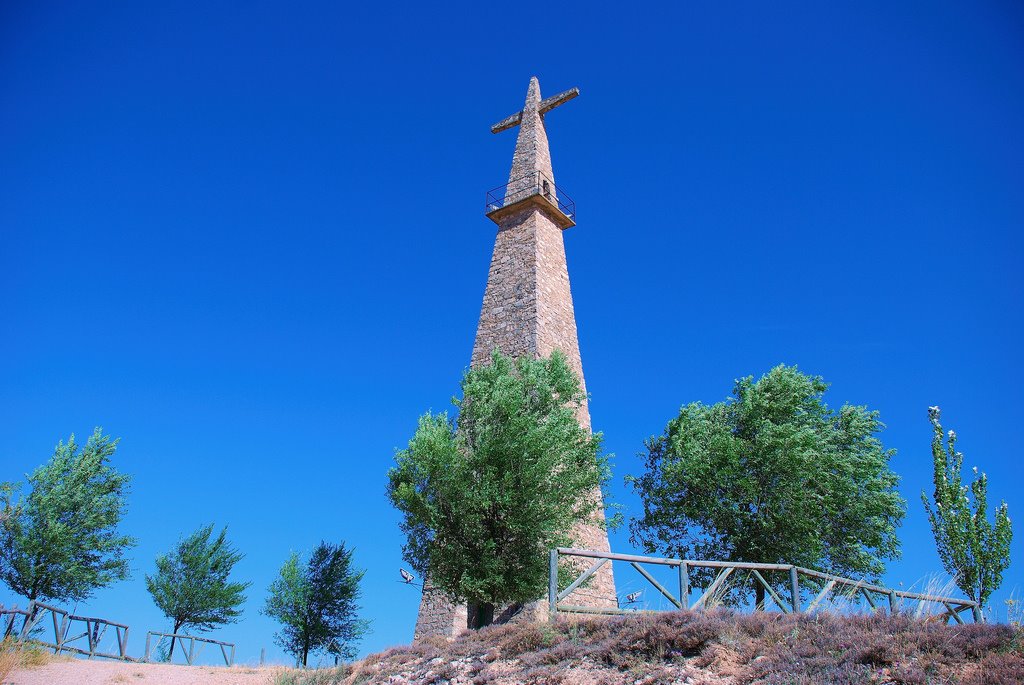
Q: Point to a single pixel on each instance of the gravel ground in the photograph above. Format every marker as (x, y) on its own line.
(81, 672)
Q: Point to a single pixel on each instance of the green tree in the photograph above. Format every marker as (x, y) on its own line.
(191, 584)
(483, 499)
(772, 475)
(60, 542)
(315, 603)
(973, 550)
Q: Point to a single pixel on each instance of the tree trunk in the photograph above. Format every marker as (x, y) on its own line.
(480, 615)
(758, 595)
(170, 654)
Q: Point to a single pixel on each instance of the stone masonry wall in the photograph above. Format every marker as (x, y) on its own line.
(508, 318)
(528, 310)
(556, 329)
(438, 615)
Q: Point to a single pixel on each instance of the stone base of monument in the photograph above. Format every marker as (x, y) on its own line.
(440, 616)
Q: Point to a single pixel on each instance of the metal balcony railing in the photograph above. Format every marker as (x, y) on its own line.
(533, 184)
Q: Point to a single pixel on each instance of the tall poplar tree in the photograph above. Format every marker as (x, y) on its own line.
(973, 550)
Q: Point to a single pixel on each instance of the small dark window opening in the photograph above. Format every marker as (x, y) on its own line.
(546, 187)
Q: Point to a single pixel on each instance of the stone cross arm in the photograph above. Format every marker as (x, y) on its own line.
(545, 106)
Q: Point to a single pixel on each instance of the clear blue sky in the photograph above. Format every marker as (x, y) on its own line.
(248, 238)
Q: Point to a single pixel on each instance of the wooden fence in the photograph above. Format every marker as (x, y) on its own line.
(875, 596)
(84, 634)
(192, 653)
(65, 629)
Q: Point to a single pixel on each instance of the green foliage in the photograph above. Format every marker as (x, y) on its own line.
(483, 500)
(191, 584)
(288, 604)
(973, 550)
(772, 475)
(315, 603)
(60, 542)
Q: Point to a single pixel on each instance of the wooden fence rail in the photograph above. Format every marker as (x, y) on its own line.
(873, 594)
(65, 627)
(192, 653)
(8, 619)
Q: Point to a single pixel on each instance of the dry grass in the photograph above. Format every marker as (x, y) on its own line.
(14, 654)
(1014, 609)
(313, 676)
(934, 584)
(8, 660)
(718, 646)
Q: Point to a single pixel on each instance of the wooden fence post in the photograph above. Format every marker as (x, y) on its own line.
(553, 585)
(794, 586)
(56, 634)
(684, 586)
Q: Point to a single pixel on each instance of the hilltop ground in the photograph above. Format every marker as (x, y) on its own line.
(81, 672)
(679, 648)
(716, 648)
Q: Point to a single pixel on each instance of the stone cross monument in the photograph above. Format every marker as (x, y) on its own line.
(528, 310)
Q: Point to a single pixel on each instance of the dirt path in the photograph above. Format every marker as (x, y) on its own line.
(81, 672)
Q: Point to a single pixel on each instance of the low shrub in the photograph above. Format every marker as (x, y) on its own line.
(761, 648)
(1004, 668)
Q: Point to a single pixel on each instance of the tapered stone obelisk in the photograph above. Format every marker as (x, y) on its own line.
(528, 310)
